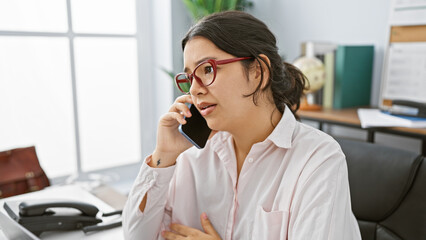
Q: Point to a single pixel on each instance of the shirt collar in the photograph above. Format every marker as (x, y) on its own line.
(283, 132)
(281, 136)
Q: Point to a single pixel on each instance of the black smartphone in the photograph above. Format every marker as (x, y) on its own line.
(196, 129)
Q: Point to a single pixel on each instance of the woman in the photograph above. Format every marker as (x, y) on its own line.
(262, 174)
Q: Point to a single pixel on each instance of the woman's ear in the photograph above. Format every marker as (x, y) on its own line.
(262, 68)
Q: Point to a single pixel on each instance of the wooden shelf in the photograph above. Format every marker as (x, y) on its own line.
(346, 116)
(349, 118)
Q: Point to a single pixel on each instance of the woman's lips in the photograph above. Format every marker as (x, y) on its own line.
(207, 110)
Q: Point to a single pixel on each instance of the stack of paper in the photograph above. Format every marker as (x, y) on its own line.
(376, 118)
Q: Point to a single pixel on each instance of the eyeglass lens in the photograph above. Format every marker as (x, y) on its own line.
(205, 73)
(184, 84)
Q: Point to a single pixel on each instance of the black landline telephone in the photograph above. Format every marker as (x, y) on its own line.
(55, 215)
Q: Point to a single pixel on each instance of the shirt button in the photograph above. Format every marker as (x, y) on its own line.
(250, 160)
(149, 178)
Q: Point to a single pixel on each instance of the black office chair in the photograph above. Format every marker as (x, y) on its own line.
(388, 191)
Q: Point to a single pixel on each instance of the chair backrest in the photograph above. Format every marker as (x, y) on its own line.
(388, 191)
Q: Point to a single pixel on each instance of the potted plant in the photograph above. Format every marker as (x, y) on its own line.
(201, 8)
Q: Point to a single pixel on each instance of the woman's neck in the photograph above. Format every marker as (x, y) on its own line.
(255, 130)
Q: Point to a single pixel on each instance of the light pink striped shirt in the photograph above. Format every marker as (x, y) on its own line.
(294, 185)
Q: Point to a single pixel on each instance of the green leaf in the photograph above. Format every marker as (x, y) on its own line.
(218, 6)
(192, 7)
(243, 5)
(210, 5)
(201, 8)
(201, 4)
(232, 4)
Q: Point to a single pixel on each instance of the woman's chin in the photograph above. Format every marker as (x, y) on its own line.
(213, 125)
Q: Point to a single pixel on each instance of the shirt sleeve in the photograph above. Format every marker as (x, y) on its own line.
(155, 182)
(321, 207)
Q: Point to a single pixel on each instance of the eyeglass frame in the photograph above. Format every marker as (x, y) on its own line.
(214, 63)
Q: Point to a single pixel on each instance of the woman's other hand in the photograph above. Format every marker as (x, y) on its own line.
(184, 232)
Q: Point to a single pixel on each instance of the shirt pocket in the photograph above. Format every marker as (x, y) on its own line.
(270, 225)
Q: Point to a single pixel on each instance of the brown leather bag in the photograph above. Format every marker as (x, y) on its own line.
(20, 172)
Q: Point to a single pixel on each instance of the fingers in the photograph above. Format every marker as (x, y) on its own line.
(179, 117)
(180, 232)
(180, 107)
(184, 99)
(182, 229)
(207, 225)
(171, 236)
(178, 110)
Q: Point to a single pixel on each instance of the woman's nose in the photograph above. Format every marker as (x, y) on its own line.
(197, 88)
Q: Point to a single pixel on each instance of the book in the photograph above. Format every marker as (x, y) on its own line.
(377, 118)
(320, 49)
(328, 88)
(353, 73)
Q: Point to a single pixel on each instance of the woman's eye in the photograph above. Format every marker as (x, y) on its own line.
(208, 70)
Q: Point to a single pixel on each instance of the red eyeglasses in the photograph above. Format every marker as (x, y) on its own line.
(204, 73)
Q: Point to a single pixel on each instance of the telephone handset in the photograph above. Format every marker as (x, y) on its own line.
(38, 208)
(52, 215)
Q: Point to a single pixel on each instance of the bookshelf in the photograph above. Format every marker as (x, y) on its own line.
(348, 117)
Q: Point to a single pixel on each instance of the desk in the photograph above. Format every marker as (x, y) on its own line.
(349, 118)
(72, 192)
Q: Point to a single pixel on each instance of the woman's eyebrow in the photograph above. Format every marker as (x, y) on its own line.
(186, 69)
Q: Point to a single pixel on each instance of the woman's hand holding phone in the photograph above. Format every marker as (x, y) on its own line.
(170, 142)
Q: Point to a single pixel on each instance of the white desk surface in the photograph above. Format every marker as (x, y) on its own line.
(71, 192)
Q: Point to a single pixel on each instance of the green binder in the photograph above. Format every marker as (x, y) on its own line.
(353, 73)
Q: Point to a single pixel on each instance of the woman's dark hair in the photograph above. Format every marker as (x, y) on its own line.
(242, 35)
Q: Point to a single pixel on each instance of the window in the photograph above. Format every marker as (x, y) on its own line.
(107, 88)
(70, 83)
(33, 16)
(36, 100)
